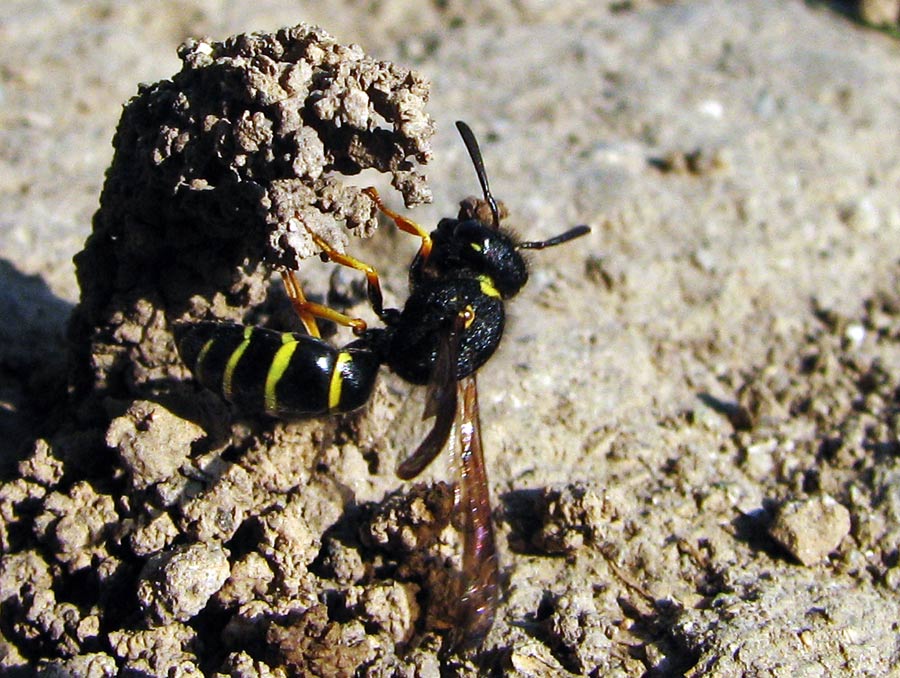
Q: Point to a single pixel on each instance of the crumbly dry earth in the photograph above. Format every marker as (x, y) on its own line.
(691, 428)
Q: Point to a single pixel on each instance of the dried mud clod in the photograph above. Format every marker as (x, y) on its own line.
(177, 584)
(407, 522)
(227, 170)
(414, 529)
(558, 520)
(575, 630)
(571, 516)
(314, 645)
(152, 533)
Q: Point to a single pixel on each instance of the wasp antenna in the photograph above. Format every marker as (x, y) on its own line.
(471, 143)
(571, 234)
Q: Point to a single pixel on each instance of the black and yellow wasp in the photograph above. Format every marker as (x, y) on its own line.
(450, 326)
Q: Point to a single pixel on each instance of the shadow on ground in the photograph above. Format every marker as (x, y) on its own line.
(32, 359)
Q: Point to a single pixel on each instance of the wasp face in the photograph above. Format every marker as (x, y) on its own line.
(472, 249)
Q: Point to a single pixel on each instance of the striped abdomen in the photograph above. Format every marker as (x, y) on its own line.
(279, 373)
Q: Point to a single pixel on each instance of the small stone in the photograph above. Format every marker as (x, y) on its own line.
(152, 442)
(42, 465)
(861, 215)
(177, 584)
(391, 606)
(91, 665)
(570, 515)
(532, 658)
(855, 334)
(812, 528)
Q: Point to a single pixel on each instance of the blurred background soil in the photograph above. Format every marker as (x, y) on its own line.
(692, 425)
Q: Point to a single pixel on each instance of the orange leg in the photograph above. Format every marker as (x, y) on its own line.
(404, 224)
(373, 285)
(309, 310)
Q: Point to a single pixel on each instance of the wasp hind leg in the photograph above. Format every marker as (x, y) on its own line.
(373, 284)
(310, 310)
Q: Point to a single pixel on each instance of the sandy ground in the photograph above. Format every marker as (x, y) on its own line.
(691, 428)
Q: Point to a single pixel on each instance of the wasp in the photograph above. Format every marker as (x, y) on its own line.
(450, 325)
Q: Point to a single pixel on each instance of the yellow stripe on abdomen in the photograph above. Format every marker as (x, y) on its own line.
(233, 361)
(197, 367)
(337, 380)
(276, 370)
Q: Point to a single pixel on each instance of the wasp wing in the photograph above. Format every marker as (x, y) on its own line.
(440, 403)
(479, 577)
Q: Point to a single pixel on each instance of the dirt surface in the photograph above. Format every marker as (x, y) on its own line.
(692, 425)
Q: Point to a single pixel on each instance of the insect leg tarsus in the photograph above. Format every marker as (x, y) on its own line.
(403, 223)
(373, 284)
(309, 310)
(299, 302)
